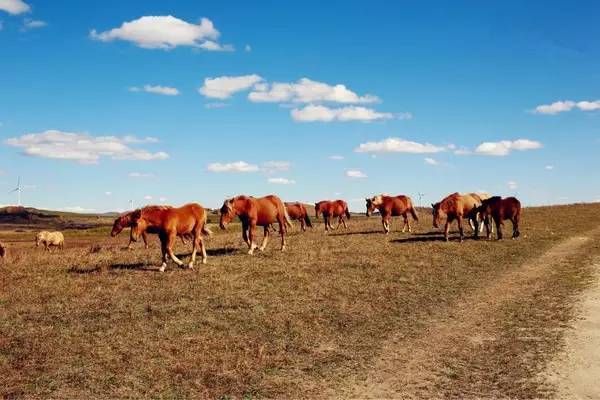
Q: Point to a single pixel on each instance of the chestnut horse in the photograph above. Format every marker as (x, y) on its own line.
(455, 207)
(499, 210)
(170, 222)
(125, 221)
(297, 211)
(254, 212)
(331, 210)
(478, 219)
(389, 207)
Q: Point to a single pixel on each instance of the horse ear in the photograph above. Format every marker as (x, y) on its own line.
(432, 205)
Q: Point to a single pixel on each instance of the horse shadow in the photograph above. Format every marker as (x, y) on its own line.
(223, 251)
(435, 237)
(82, 271)
(135, 266)
(354, 233)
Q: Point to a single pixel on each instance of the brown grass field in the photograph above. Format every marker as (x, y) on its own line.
(354, 313)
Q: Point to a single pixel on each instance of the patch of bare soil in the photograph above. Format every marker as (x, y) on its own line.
(576, 369)
(443, 360)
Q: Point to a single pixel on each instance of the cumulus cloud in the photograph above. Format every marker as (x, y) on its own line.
(14, 6)
(397, 145)
(225, 86)
(164, 32)
(504, 147)
(156, 89)
(567, 105)
(308, 91)
(321, 113)
(405, 116)
(237, 166)
(108, 193)
(355, 173)
(281, 181)
(512, 185)
(430, 161)
(82, 147)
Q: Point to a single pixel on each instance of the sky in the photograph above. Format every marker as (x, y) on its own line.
(153, 102)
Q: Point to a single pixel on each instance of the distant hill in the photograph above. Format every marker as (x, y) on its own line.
(16, 217)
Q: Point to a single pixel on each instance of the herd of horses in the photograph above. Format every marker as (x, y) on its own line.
(189, 221)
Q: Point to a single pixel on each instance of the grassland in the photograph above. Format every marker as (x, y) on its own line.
(333, 316)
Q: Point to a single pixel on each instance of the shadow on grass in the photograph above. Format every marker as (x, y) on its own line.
(354, 233)
(134, 266)
(430, 238)
(81, 271)
(223, 251)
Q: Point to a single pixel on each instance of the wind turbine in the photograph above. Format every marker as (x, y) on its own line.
(421, 195)
(18, 189)
(131, 204)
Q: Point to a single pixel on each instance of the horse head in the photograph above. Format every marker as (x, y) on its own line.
(437, 214)
(317, 209)
(228, 212)
(120, 223)
(370, 206)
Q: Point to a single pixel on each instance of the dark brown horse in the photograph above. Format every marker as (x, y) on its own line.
(2, 251)
(170, 222)
(297, 212)
(389, 207)
(330, 210)
(455, 207)
(125, 221)
(499, 210)
(254, 212)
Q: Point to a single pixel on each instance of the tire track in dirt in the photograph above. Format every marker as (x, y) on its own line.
(414, 368)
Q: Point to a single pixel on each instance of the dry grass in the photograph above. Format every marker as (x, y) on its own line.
(97, 321)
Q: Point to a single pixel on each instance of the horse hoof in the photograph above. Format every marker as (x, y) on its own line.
(283, 248)
(162, 268)
(204, 261)
(191, 265)
(251, 252)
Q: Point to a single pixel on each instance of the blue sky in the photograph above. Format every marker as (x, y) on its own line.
(101, 104)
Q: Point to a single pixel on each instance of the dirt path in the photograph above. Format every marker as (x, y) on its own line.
(419, 367)
(576, 370)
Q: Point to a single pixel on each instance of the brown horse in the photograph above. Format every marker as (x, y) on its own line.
(298, 212)
(499, 210)
(389, 207)
(478, 219)
(125, 221)
(330, 210)
(254, 212)
(3, 251)
(455, 207)
(168, 223)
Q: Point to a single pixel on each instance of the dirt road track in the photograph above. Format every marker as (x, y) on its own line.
(419, 367)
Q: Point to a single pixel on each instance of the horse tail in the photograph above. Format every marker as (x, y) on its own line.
(205, 231)
(307, 220)
(347, 212)
(288, 220)
(413, 212)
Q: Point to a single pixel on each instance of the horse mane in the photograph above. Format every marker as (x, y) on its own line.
(491, 200)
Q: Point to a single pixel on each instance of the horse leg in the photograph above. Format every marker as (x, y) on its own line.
(515, 222)
(386, 224)
(302, 225)
(459, 221)
(202, 248)
(163, 249)
(488, 227)
(251, 230)
(145, 239)
(405, 218)
(265, 239)
(195, 236)
(447, 229)
(245, 234)
(282, 232)
(344, 222)
(498, 227)
(326, 219)
(171, 238)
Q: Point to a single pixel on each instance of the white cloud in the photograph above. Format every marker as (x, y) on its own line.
(397, 145)
(29, 24)
(549, 167)
(225, 86)
(162, 199)
(14, 6)
(81, 147)
(589, 105)
(272, 166)
(247, 48)
(214, 46)
(354, 173)
(164, 32)
(462, 151)
(512, 185)
(281, 181)
(307, 91)
(504, 147)
(405, 116)
(430, 161)
(320, 113)
(336, 158)
(108, 193)
(148, 197)
(238, 166)
(140, 175)
(567, 105)
(156, 89)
